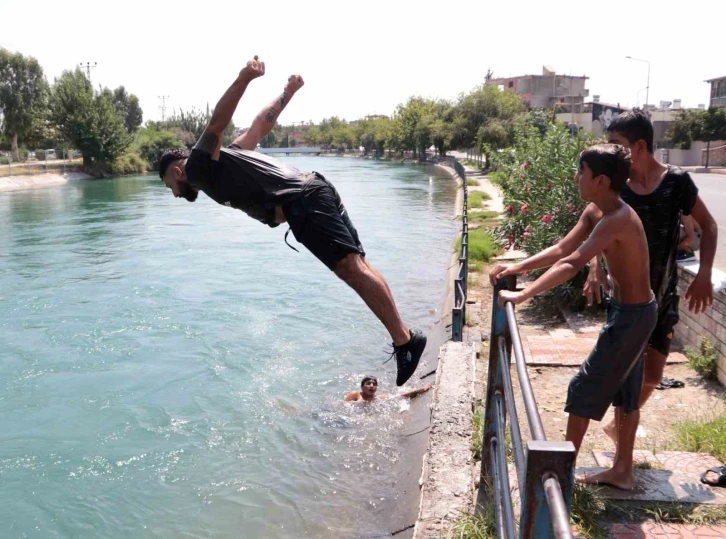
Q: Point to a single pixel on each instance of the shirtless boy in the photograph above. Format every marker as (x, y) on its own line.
(618, 234)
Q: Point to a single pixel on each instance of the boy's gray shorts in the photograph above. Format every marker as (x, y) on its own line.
(603, 378)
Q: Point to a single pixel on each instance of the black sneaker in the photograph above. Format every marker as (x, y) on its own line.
(408, 356)
(685, 256)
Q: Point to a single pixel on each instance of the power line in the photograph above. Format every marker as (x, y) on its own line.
(162, 107)
(88, 68)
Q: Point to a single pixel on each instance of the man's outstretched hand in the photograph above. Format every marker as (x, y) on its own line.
(254, 69)
(294, 83)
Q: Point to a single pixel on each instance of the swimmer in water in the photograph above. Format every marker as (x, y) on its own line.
(369, 386)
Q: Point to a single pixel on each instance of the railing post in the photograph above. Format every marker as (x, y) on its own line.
(499, 330)
(553, 460)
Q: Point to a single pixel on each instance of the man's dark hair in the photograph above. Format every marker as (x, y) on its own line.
(612, 160)
(634, 125)
(367, 378)
(169, 157)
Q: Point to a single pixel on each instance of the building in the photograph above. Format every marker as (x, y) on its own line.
(547, 90)
(718, 92)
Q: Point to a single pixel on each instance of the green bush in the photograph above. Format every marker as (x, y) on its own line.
(472, 182)
(128, 163)
(542, 202)
(704, 360)
(4, 160)
(40, 155)
(150, 144)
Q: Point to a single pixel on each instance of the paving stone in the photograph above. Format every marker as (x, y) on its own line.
(683, 461)
(662, 486)
(605, 459)
(647, 530)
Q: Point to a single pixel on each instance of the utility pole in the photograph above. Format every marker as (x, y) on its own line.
(162, 107)
(88, 68)
(647, 87)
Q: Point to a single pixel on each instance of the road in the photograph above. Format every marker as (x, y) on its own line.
(712, 189)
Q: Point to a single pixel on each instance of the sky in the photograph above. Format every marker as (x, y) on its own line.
(367, 57)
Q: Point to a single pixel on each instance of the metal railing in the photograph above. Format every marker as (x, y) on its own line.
(545, 475)
(458, 313)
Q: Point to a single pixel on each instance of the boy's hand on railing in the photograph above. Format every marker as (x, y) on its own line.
(509, 295)
(500, 271)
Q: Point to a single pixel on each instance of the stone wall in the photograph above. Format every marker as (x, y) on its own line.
(711, 323)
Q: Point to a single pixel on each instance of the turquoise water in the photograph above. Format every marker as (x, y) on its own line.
(175, 370)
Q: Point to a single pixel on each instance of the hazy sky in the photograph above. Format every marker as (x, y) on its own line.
(362, 58)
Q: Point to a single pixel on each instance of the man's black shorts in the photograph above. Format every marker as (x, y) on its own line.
(321, 223)
(668, 317)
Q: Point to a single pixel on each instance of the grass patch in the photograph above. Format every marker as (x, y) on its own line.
(587, 511)
(475, 266)
(704, 359)
(477, 434)
(486, 215)
(481, 526)
(706, 436)
(482, 247)
(477, 198)
(648, 465)
(471, 181)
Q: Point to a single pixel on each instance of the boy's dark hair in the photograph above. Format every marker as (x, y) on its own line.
(169, 157)
(634, 125)
(367, 378)
(612, 160)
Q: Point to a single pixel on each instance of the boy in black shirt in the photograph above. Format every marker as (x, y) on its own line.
(273, 192)
(660, 195)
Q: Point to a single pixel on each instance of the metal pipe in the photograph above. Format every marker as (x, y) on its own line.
(558, 510)
(530, 404)
(501, 463)
(517, 447)
(497, 488)
(461, 295)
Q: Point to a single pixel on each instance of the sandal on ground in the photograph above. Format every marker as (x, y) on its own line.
(670, 383)
(720, 472)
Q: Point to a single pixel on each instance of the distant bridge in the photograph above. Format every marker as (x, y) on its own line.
(288, 151)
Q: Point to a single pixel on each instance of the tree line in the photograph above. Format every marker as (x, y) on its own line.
(106, 125)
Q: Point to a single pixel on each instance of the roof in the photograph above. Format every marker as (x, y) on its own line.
(717, 78)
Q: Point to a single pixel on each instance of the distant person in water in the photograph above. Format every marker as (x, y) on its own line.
(274, 192)
(369, 387)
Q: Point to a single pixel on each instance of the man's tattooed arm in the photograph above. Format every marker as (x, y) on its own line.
(266, 119)
(273, 110)
(208, 142)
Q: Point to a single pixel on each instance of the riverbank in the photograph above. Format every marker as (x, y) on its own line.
(39, 181)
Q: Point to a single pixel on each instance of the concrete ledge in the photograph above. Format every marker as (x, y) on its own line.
(446, 479)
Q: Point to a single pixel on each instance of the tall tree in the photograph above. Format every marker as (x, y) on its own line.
(711, 127)
(91, 122)
(128, 105)
(23, 96)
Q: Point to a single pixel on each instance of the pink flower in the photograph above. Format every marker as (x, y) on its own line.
(525, 274)
(549, 187)
(526, 165)
(526, 234)
(510, 210)
(528, 228)
(524, 209)
(546, 218)
(526, 188)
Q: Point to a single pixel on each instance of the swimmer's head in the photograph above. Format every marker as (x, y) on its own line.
(369, 385)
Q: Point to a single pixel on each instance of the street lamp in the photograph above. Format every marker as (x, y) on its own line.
(647, 87)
